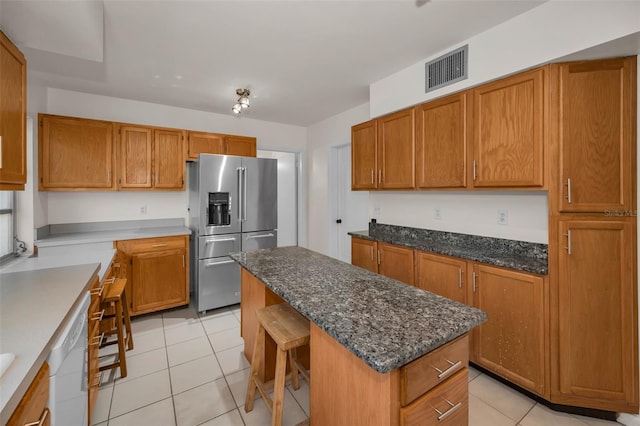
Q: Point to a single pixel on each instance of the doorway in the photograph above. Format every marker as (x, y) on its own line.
(287, 195)
(350, 209)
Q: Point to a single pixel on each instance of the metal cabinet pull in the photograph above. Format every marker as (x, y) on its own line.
(371, 252)
(475, 170)
(450, 411)
(568, 247)
(96, 340)
(372, 178)
(97, 316)
(453, 366)
(474, 282)
(379, 257)
(379, 176)
(459, 277)
(183, 260)
(41, 420)
(568, 185)
(1, 152)
(159, 245)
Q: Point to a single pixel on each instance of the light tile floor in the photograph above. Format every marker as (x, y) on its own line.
(189, 370)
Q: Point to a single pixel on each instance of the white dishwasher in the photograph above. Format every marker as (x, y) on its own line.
(68, 399)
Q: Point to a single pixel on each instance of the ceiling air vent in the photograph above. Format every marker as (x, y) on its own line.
(447, 69)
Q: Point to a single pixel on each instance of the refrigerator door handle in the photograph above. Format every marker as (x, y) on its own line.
(240, 206)
(251, 237)
(244, 194)
(217, 263)
(219, 240)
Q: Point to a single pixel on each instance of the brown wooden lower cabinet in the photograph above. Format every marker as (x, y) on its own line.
(364, 253)
(32, 408)
(346, 391)
(396, 262)
(442, 275)
(157, 272)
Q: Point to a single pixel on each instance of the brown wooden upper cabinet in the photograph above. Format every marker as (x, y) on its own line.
(150, 158)
(364, 166)
(215, 143)
(75, 154)
(508, 128)
(593, 105)
(13, 124)
(396, 150)
(441, 143)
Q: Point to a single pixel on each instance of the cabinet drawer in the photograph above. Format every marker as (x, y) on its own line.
(156, 244)
(419, 376)
(447, 404)
(33, 406)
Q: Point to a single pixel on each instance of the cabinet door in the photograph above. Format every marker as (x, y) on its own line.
(75, 154)
(396, 262)
(13, 125)
(511, 342)
(168, 159)
(508, 131)
(240, 145)
(206, 143)
(441, 275)
(134, 157)
(441, 143)
(364, 166)
(159, 280)
(597, 340)
(596, 129)
(396, 150)
(364, 253)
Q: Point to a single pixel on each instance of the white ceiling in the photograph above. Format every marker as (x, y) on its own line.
(304, 61)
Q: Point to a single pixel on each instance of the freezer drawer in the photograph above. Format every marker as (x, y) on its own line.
(259, 240)
(218, 283)
(218, 245)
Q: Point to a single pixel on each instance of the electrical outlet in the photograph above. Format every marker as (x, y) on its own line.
(503, 217)
(376, 211)
(437, 214)
(143, 209)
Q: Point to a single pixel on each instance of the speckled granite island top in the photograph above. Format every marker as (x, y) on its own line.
(384, 322)
(519, 255)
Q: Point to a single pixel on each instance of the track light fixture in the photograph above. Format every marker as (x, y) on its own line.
(243, 100)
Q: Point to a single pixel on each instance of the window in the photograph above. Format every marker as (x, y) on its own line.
(6, 224)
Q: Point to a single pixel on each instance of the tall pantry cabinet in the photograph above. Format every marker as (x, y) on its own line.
(592, 241)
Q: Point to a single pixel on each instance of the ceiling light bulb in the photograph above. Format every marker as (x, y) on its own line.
(244, 101)
(236, 109)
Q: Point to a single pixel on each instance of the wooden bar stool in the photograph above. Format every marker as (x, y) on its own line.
(115, 301)
(289, 330)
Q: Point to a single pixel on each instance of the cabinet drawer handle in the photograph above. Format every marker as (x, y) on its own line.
(96, 340)
(40, 421)
(372, 178)
(159, 245)
(97, 316)
(450, 411)
(568, 196)
(459, 277)
(452, 367)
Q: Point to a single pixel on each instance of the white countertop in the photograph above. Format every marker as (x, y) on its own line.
(35, 305)
(91, 237)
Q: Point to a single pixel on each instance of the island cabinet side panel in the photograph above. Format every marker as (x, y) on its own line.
(346, 391)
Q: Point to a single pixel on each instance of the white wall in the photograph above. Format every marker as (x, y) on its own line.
(72, 207)
(331, 132)
(544, 34)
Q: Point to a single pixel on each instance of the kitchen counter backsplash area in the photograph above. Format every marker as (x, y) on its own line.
(520, 255)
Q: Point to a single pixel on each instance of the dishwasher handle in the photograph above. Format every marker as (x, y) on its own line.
(211, 263)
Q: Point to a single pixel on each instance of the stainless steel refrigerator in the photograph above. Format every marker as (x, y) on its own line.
(233, 206)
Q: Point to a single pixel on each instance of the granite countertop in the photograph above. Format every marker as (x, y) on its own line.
(384, 322)
(518, 255)
(35, 305)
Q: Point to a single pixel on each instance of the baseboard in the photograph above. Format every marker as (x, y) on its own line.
(629, 419)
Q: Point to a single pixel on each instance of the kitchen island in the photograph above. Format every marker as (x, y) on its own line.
(381, 352)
